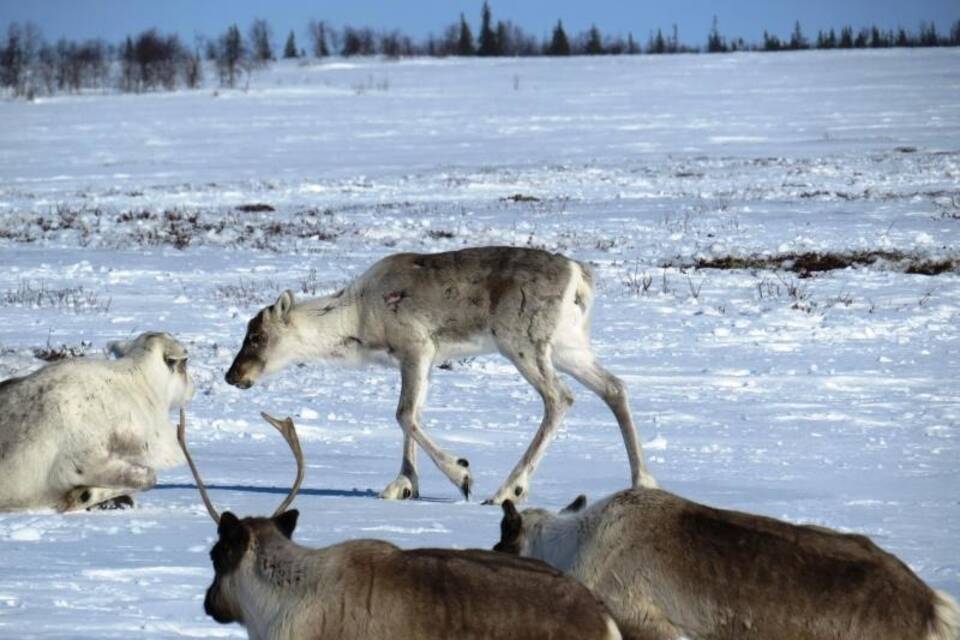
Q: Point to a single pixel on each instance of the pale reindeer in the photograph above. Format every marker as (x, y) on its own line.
(85, 431)
(366, 589)
(669, 568)
(414, 310)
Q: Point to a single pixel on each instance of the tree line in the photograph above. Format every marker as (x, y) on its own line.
(153, 61)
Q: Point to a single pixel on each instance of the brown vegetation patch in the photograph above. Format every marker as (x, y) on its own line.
(808, 263)
(255, 207)
(520, 197)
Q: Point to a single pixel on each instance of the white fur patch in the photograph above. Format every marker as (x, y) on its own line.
(946, 624)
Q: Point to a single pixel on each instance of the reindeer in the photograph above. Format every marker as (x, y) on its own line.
(87, 432)
(413, 310)
(668, 567)
(278, 589)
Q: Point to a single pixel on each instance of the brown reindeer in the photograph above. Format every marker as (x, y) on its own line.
(668, 567)
(280, 590)
(413, 310)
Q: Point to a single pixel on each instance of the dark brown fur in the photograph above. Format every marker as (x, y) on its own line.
(715, 574)
(372, 589)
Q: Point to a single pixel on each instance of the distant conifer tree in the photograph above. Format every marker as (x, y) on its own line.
(657, 44)
(771, 42)
(715, 42)
(230, 54)
(846, 38)
(465, 41)
(594, 44)
(128, 67)
(290, 49)
(928, 35)
(797, 39)
(262, 51)
(487, 41)
(559, 44)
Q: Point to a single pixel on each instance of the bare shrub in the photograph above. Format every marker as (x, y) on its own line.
(54, 353)
(637, 282)
(250, 292)
(73, 299)
(695, 288)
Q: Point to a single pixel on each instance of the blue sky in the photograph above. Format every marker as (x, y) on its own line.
(113, 19)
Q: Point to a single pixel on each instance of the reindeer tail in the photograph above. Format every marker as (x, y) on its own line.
(583, 283)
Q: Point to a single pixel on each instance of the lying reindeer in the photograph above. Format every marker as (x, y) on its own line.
(85, 432)
(372, 589)
(413, 310)
(668, 567)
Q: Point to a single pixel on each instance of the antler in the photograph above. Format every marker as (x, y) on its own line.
(181, 438)
(289, 432)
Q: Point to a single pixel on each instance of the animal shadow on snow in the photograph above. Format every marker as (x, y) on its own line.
(324, 493)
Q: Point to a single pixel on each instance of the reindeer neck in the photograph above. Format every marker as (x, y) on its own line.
(557, 541)
(274, 581)
(325, 324)
(281, 563)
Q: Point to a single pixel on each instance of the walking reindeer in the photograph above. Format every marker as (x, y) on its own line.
(414, 310)
(669, 568)
(280, 590)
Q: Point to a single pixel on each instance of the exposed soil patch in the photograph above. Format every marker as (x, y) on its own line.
(256, 207)
(520, 197)
(806, 264)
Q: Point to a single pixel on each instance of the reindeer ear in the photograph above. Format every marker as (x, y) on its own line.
(510, 529)
(228, 523)
(229, 551)
(119, 348)
(281, 308)
(287, 522)
(578, 503)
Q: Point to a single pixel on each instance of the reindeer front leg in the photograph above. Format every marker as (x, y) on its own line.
(406, 485)
(414, 371)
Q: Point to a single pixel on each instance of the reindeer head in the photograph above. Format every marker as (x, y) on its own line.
(234, 555)
(241, 540)
(270, 344)
(516, 528)
(166, 357)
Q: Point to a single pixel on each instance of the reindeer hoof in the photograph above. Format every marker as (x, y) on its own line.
(120, 502)
(466, 487)
(403, 488)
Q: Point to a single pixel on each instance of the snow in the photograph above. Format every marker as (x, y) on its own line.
(830, 400)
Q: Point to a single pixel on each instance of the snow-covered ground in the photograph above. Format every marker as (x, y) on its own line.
(831, 399)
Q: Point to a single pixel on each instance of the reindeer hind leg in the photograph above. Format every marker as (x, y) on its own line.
(580, 363)
(109, 482)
